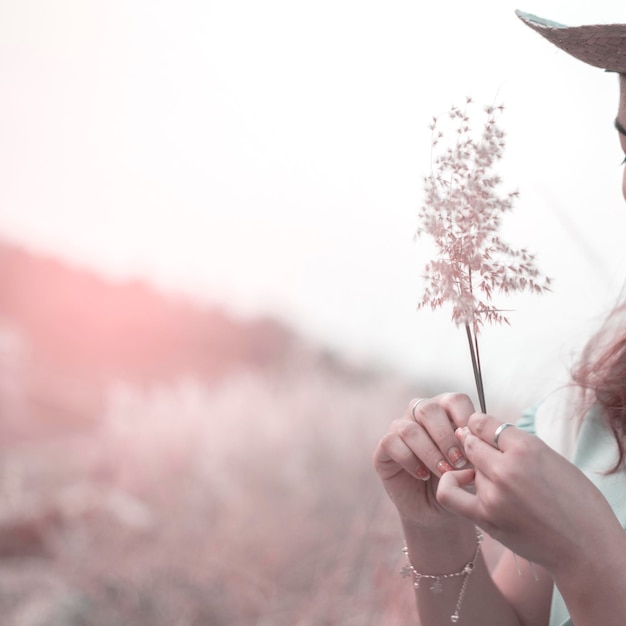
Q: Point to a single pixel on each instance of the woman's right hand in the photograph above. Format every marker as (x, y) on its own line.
(417, 450)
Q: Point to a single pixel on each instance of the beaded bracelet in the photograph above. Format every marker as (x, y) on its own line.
(437, 587)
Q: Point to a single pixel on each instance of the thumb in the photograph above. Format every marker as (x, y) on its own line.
(455, 492)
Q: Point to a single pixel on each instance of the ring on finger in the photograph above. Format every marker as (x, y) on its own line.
(416, 404)
(499, 431)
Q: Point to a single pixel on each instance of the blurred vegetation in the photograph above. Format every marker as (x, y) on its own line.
(165, 464)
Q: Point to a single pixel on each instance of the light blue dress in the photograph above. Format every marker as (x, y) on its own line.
(591, 446)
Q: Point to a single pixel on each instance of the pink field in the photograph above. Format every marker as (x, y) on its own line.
(253, 503)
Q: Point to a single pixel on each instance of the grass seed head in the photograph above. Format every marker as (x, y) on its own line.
(462, 212)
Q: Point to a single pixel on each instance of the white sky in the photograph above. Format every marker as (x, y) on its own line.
(269, 155)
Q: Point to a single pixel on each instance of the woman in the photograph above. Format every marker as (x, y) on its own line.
(552, 490)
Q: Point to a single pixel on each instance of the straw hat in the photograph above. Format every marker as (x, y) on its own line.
(601, 45)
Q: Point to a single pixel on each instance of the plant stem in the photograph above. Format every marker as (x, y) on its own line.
(478, 377)
(483, 404)
(473, 346)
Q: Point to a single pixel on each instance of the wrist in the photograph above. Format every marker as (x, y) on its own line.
(435, 582)
(444, 527)
(442, 548)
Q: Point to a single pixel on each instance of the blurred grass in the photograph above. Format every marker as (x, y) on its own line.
(253, 502)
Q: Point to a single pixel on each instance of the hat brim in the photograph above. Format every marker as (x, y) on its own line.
(600, 45)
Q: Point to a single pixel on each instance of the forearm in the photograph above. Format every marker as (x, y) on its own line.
(446, 549)
(592, 585)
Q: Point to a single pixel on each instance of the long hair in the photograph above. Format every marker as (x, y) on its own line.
(601, 372)
(601, 375)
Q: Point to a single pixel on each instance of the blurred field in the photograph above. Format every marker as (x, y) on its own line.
(194, 471)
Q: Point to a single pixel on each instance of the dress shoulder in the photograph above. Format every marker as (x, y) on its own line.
(527, 420)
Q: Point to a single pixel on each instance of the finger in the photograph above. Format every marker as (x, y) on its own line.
(486, 427)
(413, 406)
(393, 455)
(417, 438)
(435, 420)
(453, 494)
(458, 406)
(482, 456)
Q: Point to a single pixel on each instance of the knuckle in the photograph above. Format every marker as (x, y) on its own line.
(454, 399)
(414, 411)
(422, 401)
(429, 412)
(477, 423)
(426, 415)
(469, 445)
(406, 429)
(395, 425)
(526, 447)
(385, 444)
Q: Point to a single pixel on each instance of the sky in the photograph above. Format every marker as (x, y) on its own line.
(268, 156)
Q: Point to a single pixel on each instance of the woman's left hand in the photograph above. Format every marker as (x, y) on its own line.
(527, 496)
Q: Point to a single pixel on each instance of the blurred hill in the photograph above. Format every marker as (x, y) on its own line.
(67, 334)
(83, 324)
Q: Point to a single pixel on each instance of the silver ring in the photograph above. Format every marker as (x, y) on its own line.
(416, 404)
(498, 432)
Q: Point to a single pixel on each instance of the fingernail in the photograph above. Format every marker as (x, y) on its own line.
(443, 466)
(461, 433)
(456, 456)
(422, 473)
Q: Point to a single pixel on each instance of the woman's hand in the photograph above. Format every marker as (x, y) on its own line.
(528, 497)
(417, 450)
